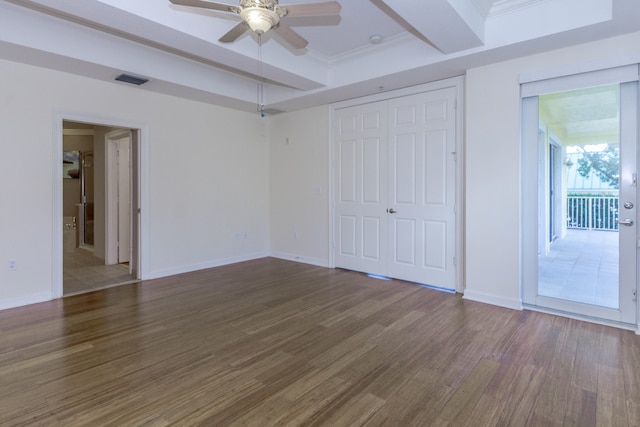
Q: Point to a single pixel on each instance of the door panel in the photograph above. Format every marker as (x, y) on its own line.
(395, 188)
(124, 198)
(404, 155)
(348, 170)
(422, 173)
(628, 234)
(404, 234)
(435, 238)
(371, 238)
(347, 236)
(371, 171)
(435, 160)
(361, 188)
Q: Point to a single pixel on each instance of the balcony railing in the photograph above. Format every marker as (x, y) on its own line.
(592, 212)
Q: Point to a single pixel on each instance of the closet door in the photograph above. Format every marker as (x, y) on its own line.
(395, 191)
(422, 188)
(361, 188)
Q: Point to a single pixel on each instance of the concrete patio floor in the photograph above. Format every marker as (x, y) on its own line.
(582, 267)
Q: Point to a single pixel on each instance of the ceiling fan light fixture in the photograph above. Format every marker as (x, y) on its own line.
(260, 20)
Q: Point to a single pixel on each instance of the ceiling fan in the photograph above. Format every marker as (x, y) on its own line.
(264, 15)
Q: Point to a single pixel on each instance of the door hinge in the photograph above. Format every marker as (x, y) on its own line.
(635, 295)
(455, 261)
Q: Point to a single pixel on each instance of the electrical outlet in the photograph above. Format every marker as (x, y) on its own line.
(12, 265)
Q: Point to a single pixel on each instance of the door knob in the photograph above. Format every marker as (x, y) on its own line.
(391, 211)
(628, 222)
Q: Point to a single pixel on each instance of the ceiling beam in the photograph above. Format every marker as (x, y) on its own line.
(450, 25)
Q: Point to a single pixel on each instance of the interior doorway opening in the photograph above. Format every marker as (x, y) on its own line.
(98, 180)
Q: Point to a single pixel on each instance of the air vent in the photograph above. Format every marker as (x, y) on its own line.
(134, 80)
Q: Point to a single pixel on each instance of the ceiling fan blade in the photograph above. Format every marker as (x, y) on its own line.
(291, 37)
(206, 5)
(327, 8)
(234, 33)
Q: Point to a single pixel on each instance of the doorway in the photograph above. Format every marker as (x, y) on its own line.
(580, 144)
(88, 236)
(396, 187)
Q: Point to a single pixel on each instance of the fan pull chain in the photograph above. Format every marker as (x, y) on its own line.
(260, 103)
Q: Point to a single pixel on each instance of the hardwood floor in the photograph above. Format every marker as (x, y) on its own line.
(271, 342)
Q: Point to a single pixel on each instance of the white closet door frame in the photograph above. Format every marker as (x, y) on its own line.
(456, 82)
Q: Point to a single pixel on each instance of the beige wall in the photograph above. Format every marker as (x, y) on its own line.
(207, 176)
(215, 175)
(299, 176)
(493, 172)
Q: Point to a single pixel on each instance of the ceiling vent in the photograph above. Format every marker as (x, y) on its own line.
(134, 80)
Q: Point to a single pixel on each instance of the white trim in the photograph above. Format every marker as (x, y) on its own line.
(331, 259)
(112, 235)
(305, 260)
(529, 105)
(57, 215)
(157, 274)
(458, 84)
(561, 82)
(110, 195)
(57, 251)
(493, 299)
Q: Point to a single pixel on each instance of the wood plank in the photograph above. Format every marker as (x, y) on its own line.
(272, 342)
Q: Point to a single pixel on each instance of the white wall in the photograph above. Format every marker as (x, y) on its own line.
(216, 175)
(299, 185)
(492, 244)
(208, 176)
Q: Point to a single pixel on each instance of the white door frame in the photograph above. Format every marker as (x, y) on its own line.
(529, 186)
(112, 195)
(458, 83)
(57, 290)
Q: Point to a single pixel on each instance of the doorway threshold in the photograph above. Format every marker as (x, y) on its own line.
(574, 316)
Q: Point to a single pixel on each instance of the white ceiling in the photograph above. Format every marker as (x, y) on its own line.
(584, 116)
(177, 47)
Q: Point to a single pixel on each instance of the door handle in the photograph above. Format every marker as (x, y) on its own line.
(391, 211)
(628, 222)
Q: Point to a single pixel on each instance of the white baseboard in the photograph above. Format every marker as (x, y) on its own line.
(493, 299)
(306, 260)
(26, 300)
(202, 266)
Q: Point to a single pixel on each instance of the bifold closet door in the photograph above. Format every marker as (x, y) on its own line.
(395, 189)
(361, 188)
(422, 188)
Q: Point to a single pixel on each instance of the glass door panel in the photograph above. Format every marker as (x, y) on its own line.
(586, 152)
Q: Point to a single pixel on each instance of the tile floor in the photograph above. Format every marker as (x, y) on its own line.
(84, 272)
(582, 267)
